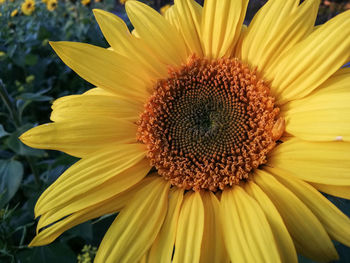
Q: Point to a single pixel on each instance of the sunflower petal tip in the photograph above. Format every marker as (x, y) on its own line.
(21, 138)
(97, 11)
(31, 244)
(131, 3)
(25, 137)
(36, 213)
(55, 45)
(34, 242)
(52, 43)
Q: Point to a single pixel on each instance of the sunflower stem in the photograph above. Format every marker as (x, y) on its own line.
(9, 105)
(34, 170)
(8, 101)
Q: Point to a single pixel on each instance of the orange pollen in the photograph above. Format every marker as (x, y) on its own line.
(209, 124)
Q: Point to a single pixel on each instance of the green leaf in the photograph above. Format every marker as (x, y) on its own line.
(2, 131)
(34, 97)
(54, 253)
(11, 174)
(31, 59)
(83, 231)
(11, 50)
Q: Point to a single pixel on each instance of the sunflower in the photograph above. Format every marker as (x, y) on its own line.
(85, 2)
(51, 5)
(211, 139)
(14, 13)
(28, 7)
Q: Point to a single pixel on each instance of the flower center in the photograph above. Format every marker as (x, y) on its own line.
(209, 124)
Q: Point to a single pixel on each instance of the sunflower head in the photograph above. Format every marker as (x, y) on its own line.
(209, 124)
(51, 5)
(14, 13)
(28, 7)
(85, 2)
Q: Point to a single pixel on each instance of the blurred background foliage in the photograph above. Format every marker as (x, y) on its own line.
(32, 76)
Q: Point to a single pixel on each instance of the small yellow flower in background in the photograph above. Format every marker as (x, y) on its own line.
(87, 254)
(164, 9)
(45, 42)
(123, 1)
(14, 13)
(98, 1)
(85, 2)
(51, 5)
(2, 1)
(44, 1)
(30, 79)
(28, 7)
(212, 140)
(2, 54)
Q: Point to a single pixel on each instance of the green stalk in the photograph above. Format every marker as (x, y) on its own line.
(17, 122)
(9, 105)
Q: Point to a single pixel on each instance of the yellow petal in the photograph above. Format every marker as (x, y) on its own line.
(162, 248)
(334, 221)
(213, 248)
(238, 48)
(157, 33)
(234, 237)
(313, 60)
(188, 16)
(99, 91)
(324, 115)
(190, 229)
(137, 225)
(90, 172)
(283, 239)
(278, 26)
(336, 190)
(80, 136)
(115, 31)
(221, 24)
(172, 15)
(112, 205)
(118, 36)
(247, 233)
(244, 241)
(314, 162)
(306, 230)
(73, 201)
(104, 68)
(144, 258)
(94, 106)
